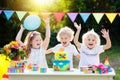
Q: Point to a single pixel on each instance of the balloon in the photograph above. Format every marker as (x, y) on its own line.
(4, 64)
(32, 22)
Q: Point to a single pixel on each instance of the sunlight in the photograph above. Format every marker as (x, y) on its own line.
(43, 2)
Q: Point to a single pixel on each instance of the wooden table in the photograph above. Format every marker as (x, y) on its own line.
(75, 74)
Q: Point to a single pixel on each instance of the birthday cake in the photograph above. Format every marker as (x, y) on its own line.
(61, 62)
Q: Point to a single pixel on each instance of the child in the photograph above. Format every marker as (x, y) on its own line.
(90, 48)
(65, 36)
(36, 47)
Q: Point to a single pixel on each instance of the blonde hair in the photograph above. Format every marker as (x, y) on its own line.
(91, 32)
(30, 36)
(65, 30)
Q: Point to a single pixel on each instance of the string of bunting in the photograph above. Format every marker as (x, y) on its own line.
(60, 15)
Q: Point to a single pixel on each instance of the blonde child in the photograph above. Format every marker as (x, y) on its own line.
(90, 48)
(36, 47)
(65, 36)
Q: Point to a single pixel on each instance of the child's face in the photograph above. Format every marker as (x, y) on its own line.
(36, 42)
(90, 41)
(65, 39)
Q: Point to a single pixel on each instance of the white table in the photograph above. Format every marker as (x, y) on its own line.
(68, 75)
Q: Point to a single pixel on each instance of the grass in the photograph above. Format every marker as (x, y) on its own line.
(117, 77)
(113, 55)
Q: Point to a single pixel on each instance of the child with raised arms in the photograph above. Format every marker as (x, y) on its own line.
(90, 48)
(36, 46)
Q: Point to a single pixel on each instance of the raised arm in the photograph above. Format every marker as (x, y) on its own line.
(107, 37)
(47, 35)
(19, 35)
(49, 51)
(78, 27)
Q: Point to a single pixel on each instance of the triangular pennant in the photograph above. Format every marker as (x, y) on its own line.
(59, 16)
(111, 16)
(72, 16)
(98, 16)
(31, 12)
(0, 11)
(20, 14)
(8, 14)
(85, 16)
(119, 14)
(45, 15)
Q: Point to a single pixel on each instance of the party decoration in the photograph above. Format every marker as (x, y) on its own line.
(17, 66)
(43, 70)
(0, 11)
(8, 14)
(106, 61)
(20, 14)
(111, 16)
(32, 22)
(4, 64)
(32, 12)
(5, 77)
(98, 16)
(85, 16)
(45, 15)
(119, 14)
(72, 16)
(59, 16)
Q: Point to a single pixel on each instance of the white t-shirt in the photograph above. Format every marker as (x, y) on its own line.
(71, 50)
(37, 56)
(90, 56)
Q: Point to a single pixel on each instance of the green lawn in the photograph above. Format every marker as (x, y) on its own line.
(117, 77)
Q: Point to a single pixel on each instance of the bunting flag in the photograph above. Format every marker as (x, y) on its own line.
(84, 16)
(111, 16)
(72, 16)
(98, 16)
(8, 14)
(59, 16)
(0, 11)
(45, 15)
(119, 14)
(20, 14)
(32, 12)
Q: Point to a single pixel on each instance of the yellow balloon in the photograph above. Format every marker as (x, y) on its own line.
(4, 64)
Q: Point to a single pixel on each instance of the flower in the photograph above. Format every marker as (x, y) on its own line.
(14, 51)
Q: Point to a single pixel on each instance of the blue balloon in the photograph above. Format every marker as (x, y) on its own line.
(32, 22)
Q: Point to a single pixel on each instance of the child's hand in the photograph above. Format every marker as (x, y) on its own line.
(47, 21)
(21, 26)
(105, 33)
(78, 27)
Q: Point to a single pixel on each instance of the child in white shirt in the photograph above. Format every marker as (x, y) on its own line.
(90, 48)
(65, 36)
(36, 47)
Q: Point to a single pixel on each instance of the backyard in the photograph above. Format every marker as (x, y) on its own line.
(63, 13)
